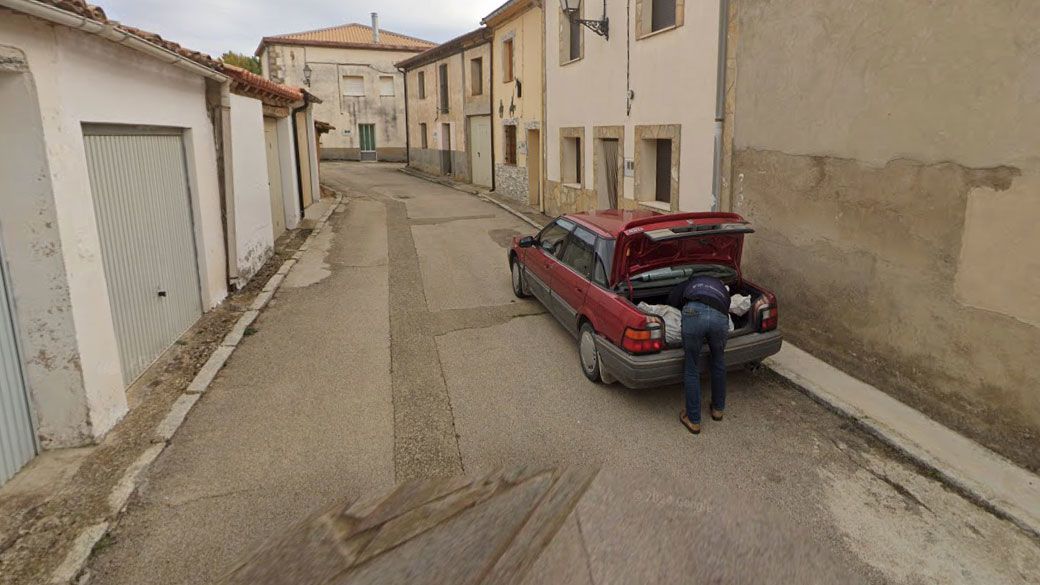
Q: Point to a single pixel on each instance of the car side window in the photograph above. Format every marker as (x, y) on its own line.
(580, 251)
(604, 260)
(554, 236)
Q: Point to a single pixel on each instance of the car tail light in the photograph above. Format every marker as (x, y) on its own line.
(768, 313)
(649, 339)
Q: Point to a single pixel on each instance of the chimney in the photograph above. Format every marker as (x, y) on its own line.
(375, 27)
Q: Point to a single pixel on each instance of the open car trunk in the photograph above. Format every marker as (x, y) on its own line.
(742, 324)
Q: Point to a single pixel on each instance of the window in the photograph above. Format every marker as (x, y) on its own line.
(572, 163)
(442, 103)
(579, 253)
(554, 236)
(662, 14)
(476, 76)
(423, 137)
(604, 261)
(507, 60)
(509, 144)
(658, 15)
(386, 85)
(571, 37)
(663, 172)
(422, 85)
(353, 85)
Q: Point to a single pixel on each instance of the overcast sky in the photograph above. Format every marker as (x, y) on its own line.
(215, 26)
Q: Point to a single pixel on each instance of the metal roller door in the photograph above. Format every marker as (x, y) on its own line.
(139, 183)
(17, 444)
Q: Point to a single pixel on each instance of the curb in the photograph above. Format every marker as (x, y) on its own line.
(475, 191)
(978, 474)
(975, 490)
(77, 557)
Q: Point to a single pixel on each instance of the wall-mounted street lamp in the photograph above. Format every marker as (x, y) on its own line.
(600, 27)
(307, 74)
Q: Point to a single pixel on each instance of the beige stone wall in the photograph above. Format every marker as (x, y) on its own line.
(285, 64)
(888, 153)
(461, 105)
(517, 107)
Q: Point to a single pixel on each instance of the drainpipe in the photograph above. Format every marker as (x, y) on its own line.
(296, 147)
(219, 98)
(407, 128)
(720, 106)
(491, 101)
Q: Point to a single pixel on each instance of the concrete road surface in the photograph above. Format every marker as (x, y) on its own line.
(396, 351)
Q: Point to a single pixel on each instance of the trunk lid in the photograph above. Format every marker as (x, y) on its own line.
(682, 238)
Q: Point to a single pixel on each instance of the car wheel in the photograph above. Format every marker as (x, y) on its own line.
(519, 286)
(588, 354)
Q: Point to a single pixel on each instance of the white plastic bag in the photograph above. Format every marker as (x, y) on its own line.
(672, 321)
(739, 305)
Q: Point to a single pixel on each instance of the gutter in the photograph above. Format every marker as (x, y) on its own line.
(720, 106)
(407, 129)
(112, 33)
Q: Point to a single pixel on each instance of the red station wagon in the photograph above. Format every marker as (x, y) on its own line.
(590, 270)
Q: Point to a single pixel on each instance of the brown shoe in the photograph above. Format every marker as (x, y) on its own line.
(690, 425)
(716, 415)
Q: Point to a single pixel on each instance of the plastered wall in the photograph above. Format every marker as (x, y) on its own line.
(328, 67)
(81, 79)
(887, 153)
(253, 231)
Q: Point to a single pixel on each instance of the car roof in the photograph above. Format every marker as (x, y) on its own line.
(612, 222)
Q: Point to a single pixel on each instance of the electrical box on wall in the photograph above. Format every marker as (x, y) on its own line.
(630, 167)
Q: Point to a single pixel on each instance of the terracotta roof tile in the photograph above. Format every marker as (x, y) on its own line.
(81, 8)
(351, 35)
(250, 82)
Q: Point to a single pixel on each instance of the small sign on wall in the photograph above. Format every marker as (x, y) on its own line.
(630, 167)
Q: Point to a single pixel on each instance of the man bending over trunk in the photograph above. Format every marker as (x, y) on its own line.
(704, 301)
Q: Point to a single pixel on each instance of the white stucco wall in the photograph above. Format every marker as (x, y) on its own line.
(253, 232)
(673, 75)
(83, 79)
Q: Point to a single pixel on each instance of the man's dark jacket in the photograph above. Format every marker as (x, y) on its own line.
(702, 289)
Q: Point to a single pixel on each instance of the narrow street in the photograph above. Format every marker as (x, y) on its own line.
(396, 350)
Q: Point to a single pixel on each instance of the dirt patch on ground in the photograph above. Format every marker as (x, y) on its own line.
(38, 539)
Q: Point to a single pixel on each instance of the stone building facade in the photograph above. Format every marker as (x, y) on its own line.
(351, 69)
(449, 109)
(516, 91)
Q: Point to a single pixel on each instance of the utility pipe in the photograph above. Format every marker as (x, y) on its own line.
(720, 105)
(110, 32)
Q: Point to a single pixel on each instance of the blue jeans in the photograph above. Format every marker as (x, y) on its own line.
(699, 323)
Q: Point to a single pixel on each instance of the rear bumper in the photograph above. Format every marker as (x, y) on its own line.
(666, 368)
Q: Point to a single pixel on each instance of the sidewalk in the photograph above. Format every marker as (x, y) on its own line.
(984, 477)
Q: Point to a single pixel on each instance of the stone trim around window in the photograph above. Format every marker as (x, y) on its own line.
(572, 132)
(617, 133)
(643, 24)
(671, 132)
(564, 46)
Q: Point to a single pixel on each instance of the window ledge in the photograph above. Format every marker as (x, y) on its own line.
(656, 205)
(657, 32)
(571, 185)
(565, 63)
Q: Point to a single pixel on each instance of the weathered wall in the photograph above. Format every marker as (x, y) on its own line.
(517, 103)
(284, 63)
(253, 231)
(673, 75)
(81, 79)
(461, 105)
(888, 154)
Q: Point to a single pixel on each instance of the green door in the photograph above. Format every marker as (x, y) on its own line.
(367, 134)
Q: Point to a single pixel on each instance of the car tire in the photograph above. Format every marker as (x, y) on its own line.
(588, 355)
(517, 276)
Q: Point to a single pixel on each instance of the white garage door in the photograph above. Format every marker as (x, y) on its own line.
(17, 445)
(139, 183)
